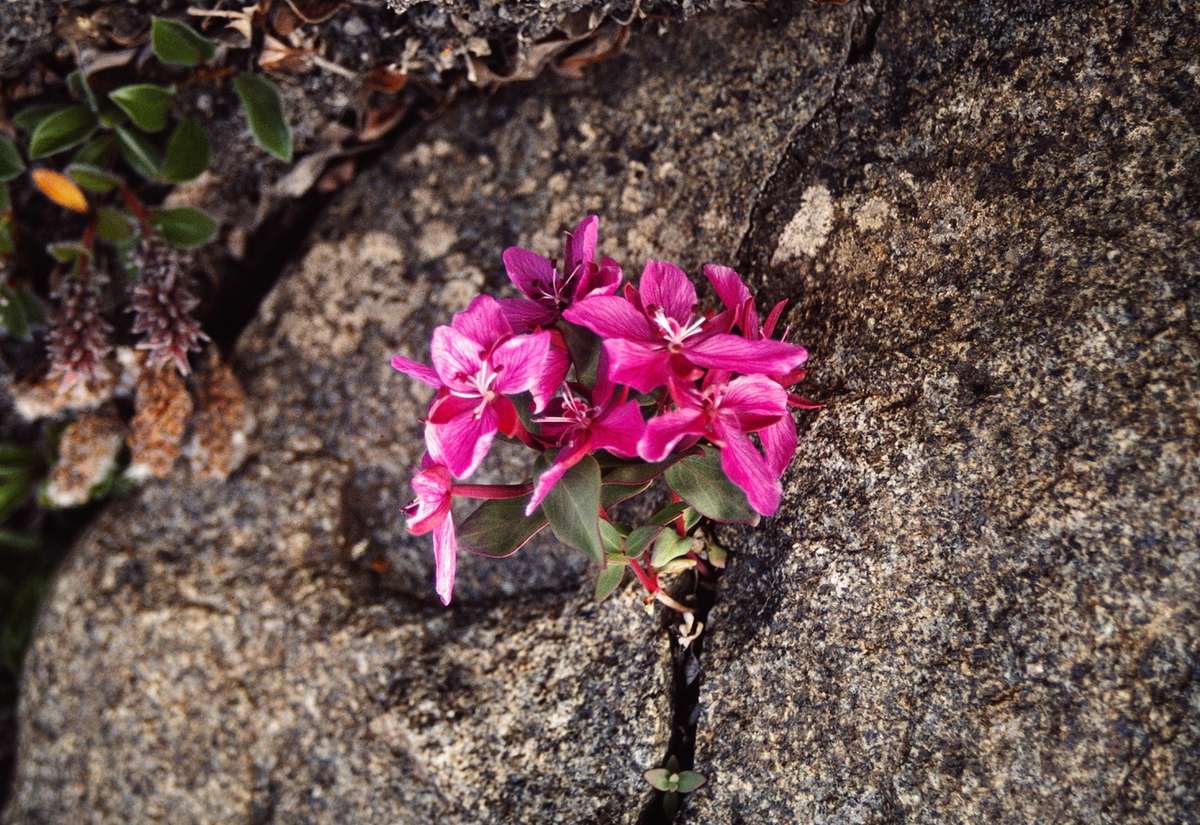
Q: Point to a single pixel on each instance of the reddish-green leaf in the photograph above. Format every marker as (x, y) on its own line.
(499, 528)
(700, 481)
(573, 508)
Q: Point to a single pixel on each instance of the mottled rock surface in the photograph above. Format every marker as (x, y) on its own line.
(271, 650)
(982, 600)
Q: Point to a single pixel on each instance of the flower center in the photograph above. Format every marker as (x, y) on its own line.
(558, 291)
(674, 332)
(577, 412)
(482, 387)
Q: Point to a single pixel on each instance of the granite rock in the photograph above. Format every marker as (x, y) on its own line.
(271, 649)
(981, 599)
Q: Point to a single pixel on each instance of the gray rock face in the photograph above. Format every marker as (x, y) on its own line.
(982, 602)
(25, 27)
(271, 650)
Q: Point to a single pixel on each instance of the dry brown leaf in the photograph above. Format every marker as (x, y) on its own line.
(337, 176)
(278, 56)
(608, 42)
(381, 121)
(316, 11)
(386, 79)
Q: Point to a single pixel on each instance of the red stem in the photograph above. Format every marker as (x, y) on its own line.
(649, 581)
(492, 492)
(138, 209)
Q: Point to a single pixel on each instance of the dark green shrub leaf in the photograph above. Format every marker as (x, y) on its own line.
(264, 112)
(659, 778)
(28, 118)
(146, 104)
(16, 540)
(5, 203)
(499, 528)
(6, 239)
(609, 580)
(700, 481)
(689, 781)
(12, 314)
(187, 152)
(114, 226)
(81, 90)
(142, 155)
(573, 508)
(92, 178)
(61, 130)
(11, 164)
(68, 251)
(97, 152)
(35, 310)
(178, 44)
(184, 226)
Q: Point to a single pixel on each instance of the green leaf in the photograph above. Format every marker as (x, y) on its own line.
(28, 118)
(11, 164)
(184, 226)
(14, 455)
(689, 781)
(659, 778)
(609, 580)
(700, 481)
(584, 347)
(5, 203)
(35, 310)
(640, 539)
(613, 494)
(178, 44)
(637, 473)
(12, 495)
(97, 152)
(93, 178)
(12, 314)
(142, 155)
(611, 536)
(573, 508)
(6, 240)
(264, 112)
(68, 251)
(114, 226)
(669, 546)
(499, 528)
(187, 152)
(669, 513)
(61, 130)
(146, 104)
(81, 90)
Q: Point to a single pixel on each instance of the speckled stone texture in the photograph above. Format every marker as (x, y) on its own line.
(232, 654)
(981, 601)
(25, 29)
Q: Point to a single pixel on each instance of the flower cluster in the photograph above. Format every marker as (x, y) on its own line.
(613, 385)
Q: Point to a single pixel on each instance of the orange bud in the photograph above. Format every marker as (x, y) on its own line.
(60, 189)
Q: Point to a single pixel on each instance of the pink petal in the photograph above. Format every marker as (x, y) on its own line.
(619, 429)
(417, 370)
(663, 432)
(779, 444)
(567, 457)
(483, 322)
(445, 559)
(664, 285)
(432, 489)
(581, 244)
(732, 352)
(745, 467)
(456, 358)
(604, 280)
(637, 365)
(525, 315)
(611, 317)
(755, 401)
(529, 271)
(728, 285)
(462, 442)
(520, 362)
(768, 328)
(550, 377)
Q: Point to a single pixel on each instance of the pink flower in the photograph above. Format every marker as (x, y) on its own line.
(547, 290)
(429, 512)
(779, 440)
(725, 412)
(654, 333)
(581, 427)
(477, 362)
